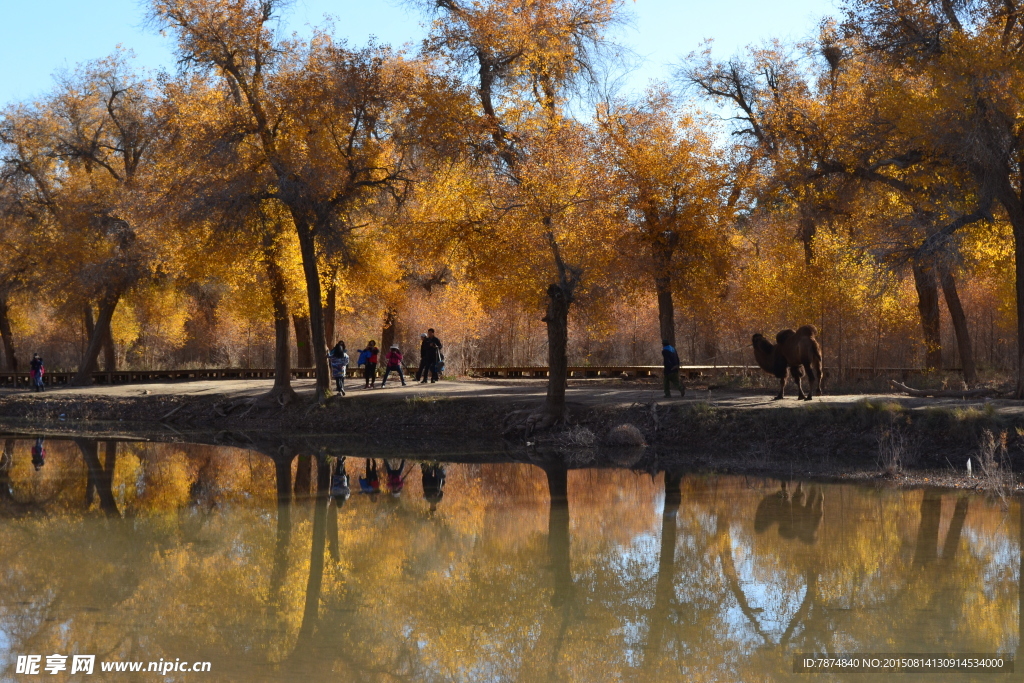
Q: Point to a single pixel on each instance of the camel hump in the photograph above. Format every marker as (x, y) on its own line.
(808, 331)
(782, 336)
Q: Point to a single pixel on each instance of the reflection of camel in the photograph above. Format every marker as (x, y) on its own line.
(797, 351)
(798, 516)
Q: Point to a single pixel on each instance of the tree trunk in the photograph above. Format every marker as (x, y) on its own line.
(1018, 250)
(926, 550)
(666, 309)
(663, 286)
(7, 336)
(282, 353)
(109, 352)
(558, 531)
(390, 329)
(955, 530)
(90, 323)
(709, 336)
(303, 346)
(808, 229)
(100, 478)
(963, 335)
(663, 590)
(303, 476)
(89, 361)
(330, 314)
(557, 320)
(307, 247)
(314, 582)
(6, 461)
(928, 306)
(1011, 202)
(1020, 579)
(282, 477)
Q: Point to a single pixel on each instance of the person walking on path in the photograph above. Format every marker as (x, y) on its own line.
(421, 371)
(36, 371)
(430, 356)
(338, 358)
(368, 358)
(671, 373)
(394, 363)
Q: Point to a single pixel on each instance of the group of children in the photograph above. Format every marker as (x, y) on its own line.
(431, 362)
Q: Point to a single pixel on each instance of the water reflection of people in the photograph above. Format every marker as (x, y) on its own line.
(433, 482)
(38, 454)
(369, 483)
(396, 481)
(340, 490)
(797, 515)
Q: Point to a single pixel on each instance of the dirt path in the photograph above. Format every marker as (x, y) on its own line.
(584, 393)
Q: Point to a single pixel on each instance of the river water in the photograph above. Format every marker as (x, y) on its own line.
(179, 553)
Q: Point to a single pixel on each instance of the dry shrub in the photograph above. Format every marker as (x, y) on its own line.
(577, 436)
(992, 458)
(625, 435)
(895, 448)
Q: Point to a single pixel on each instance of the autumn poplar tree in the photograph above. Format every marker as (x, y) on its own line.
(526, 60)
(674, 192)
(85, 152)
(215, 189)
(327, 120)
(956, 68)
(17, 257)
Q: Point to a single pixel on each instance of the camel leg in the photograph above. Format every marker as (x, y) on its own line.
(813, 381)
(782, 389)
(797, 375)
(810, 381)
(817, 378)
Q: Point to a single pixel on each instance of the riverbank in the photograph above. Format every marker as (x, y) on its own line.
(887, 438)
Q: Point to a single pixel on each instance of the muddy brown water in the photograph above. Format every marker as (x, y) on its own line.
(179, 553)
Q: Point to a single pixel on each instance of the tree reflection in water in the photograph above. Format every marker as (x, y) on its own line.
(521, 571)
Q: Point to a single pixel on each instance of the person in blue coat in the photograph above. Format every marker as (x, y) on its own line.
(671, 369)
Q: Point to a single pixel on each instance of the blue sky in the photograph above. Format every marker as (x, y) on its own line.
(40, 37)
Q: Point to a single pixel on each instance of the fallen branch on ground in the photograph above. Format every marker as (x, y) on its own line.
(172, 412)
(944, 393)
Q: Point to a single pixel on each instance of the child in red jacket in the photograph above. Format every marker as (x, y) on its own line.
(394, 361)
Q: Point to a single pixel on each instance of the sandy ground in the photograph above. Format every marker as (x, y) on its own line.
(590, 393)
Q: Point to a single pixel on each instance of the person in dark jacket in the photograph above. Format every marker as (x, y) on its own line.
(36, 370)
(422, 370)
(671, 370)
(430, 356)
